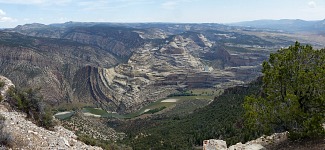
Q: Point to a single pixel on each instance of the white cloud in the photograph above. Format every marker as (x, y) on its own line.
(169, 4)
(22, 1)
(7, 19)
(36, 2)
(312, 4)
(2, 13)
(172, 4)
(109, 5)
(4, 18)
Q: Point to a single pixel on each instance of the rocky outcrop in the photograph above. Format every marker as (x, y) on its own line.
(214, 145)
(7, 85)
(23, 134)
(258, 144)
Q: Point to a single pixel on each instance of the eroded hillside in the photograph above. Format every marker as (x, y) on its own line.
(122, 67)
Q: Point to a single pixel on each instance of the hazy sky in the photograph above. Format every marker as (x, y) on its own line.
(16, 12)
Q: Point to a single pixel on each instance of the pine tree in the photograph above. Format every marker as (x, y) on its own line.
(293, 97)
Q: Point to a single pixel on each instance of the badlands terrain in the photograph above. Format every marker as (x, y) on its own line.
(133, 84)
(123, 67)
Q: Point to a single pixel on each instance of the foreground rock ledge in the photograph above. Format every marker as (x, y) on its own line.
(257, 144)
(23, 134)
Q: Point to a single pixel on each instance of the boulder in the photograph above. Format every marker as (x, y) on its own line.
(213, 144)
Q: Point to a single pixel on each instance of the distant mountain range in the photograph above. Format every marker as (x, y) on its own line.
(287, 25)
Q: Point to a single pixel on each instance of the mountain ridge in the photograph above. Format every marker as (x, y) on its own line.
(288, 25)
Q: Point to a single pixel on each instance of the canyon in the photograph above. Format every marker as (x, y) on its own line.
(123, 67)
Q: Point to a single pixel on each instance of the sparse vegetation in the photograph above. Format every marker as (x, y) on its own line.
(6, 139)
(2, 84)
(31, 102)
(222, 119)
(101, 143)
(181, 94)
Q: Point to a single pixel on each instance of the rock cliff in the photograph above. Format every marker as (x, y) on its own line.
(258, 144)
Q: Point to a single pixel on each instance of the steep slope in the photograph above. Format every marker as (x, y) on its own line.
(23, 134)
(48, 63)
(27, 135)
(221, 119)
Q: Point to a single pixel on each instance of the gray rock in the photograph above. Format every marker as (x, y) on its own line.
(213, 144)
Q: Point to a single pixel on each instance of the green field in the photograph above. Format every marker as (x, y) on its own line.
(183, 104)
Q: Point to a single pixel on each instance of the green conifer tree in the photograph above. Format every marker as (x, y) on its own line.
(293, 97)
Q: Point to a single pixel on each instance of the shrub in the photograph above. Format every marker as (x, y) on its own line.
(31, 102)
(2, 84)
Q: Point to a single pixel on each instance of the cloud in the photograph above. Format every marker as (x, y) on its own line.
(95, 5)
(2, 13)
(4, 18)
(22, 1)
(109, 5)
(169, 4)
(312, 4)
(35, 2)
(172, 4)
(7, 19)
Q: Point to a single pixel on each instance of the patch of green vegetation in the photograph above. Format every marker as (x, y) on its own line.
(221, 119)
(31, 102)
(186, 107)
(2, 84)
(200, 94)
(197, 93)
(16, 40)
(181, 94)
(293, 94)
(208, 91)
(68, 106)
(100, 143)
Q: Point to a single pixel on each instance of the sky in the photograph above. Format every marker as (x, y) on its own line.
(19, 12)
